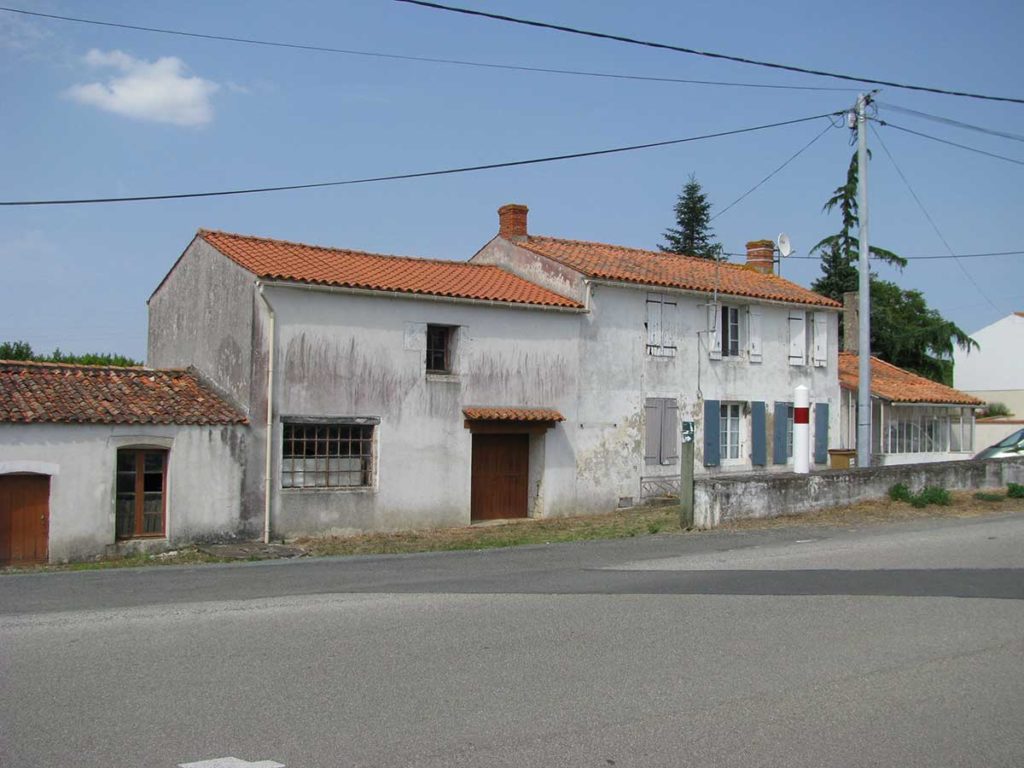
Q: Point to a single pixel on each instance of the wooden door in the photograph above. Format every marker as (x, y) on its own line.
(24, 519)
(501, 465)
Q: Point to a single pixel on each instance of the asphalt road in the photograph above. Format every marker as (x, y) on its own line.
(893, 645)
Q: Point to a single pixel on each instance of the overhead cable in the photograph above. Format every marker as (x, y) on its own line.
(792, 157)
(951, 121)
(416, 175)
(405, 57)
(708, 54)
(887, 124)
(931, 221)
(926, 258)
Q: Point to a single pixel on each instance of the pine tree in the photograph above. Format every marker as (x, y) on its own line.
(692, 235)
(905, 331)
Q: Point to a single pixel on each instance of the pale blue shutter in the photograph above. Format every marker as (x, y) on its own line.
(712, 433)
(779, 440)
(758, 435)
(820, 433)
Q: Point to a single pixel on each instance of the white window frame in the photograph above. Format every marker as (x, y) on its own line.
(729, 319)
(732, 441)
(328, 460)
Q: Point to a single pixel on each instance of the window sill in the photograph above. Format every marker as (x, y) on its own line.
(141, 537)
(444, 378)
(322, 489)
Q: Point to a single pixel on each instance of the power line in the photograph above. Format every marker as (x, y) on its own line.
(927, 258)
(766, 178)
(887, 124)
(931, 221)
(951, 121)
(708, 54)
(402, 57)
(418, 175)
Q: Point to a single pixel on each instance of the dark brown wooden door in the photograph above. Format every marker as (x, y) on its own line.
(24, 519)
(501, 465)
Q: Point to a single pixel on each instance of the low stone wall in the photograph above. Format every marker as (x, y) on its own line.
(721, 498)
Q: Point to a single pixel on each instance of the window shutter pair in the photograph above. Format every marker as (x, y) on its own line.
(797, 338)
(661, 441)
(660, 340)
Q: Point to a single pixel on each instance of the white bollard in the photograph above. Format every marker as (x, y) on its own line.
(801, 430)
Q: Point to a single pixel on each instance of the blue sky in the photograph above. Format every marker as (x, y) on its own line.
(91, 111)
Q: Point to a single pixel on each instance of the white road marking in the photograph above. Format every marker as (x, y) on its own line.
(231, 762)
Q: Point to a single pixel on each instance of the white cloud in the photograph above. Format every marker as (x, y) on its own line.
(161, 90)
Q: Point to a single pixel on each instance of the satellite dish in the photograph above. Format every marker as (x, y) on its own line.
(785, 247)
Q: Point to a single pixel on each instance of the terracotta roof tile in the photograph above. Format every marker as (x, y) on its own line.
(898, 385)
(283, 260)
(633, 265)
(88, 394)
(511, 413)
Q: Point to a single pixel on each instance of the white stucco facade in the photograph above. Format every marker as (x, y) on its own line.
(995, 372)
(203, 480)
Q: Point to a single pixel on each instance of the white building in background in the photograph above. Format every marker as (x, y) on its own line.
(995, 372)
(544, 377)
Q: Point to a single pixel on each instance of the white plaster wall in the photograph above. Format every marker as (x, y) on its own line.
(353, 355)
(998, 365)
(203, 475)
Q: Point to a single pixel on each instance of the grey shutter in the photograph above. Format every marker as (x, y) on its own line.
(669, 432)
(754, 333)
(797, 338)
(758, 435)
(714, 333)
(654, 304)
(779, 441)
(820, 352)
(820, 433)
(712, 433)
(653, 408)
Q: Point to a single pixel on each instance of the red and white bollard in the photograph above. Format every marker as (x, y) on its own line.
(802, 430)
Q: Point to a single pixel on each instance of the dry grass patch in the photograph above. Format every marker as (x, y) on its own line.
(965, 504)
(616, 525)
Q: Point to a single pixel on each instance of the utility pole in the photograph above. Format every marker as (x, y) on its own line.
(864, 324)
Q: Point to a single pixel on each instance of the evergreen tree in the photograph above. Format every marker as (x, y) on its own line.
(692, 235)
(905, 331)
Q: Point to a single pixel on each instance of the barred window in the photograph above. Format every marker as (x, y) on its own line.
(439, 348)
(327, 456)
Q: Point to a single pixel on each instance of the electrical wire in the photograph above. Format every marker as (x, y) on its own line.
(708, 54)
(931, 221)
(926, 258)
(887, 124)
(418, 175)
(402, 57)
(951, 121)
(793, 157)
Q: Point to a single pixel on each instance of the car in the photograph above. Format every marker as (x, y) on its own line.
(1013, 445)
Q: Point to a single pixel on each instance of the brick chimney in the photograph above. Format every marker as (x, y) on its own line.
(761, 256)
(512, 221)
(851, 321)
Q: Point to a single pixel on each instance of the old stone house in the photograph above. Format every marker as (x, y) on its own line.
(543, 377)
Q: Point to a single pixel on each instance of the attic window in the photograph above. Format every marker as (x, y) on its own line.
(439, 348)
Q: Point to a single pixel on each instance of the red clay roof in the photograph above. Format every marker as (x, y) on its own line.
(633, 265)
(283, 260)
(898, 385)
(511, 413)
(93, 394)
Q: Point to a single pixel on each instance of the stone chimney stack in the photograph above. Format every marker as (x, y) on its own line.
(512, 221)
(851, 321)
(761, 256)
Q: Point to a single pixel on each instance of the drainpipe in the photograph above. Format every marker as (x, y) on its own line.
(270, 421)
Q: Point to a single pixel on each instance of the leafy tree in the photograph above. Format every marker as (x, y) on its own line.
(22, 350)
(692, 235)
(905, 331)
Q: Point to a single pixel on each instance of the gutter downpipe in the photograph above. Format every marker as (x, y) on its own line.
(268, 465)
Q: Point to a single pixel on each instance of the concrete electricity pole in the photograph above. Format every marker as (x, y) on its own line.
(864, 326)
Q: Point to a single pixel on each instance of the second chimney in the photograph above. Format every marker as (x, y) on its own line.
(512, 221)
(761, 256)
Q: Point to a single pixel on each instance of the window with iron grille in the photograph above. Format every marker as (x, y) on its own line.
(327, 455)
(439, 348)
(140, 492)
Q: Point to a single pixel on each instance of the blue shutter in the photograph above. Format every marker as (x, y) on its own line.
(758, 435)
(820, 433)
(779, 441)
(712, 433)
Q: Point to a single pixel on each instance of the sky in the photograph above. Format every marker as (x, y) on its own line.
(91, 111)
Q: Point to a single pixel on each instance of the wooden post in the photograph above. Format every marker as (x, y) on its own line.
(686, 478)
